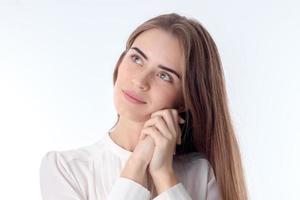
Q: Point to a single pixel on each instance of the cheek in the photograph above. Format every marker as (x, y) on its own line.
(166, 98)
(126, 71)
(125, 74)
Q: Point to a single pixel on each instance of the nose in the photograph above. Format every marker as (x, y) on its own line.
(141, 81)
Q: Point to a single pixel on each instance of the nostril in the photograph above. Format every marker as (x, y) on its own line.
(141, 85)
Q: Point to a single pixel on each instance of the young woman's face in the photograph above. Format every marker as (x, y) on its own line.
(152, 70)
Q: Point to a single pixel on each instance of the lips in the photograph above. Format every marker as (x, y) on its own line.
(134, 96)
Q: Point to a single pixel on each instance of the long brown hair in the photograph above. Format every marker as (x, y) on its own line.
(208, 128)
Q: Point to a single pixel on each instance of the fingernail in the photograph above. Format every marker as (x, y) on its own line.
(181, 121)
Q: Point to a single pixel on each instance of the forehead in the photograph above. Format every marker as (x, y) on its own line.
(161, 47)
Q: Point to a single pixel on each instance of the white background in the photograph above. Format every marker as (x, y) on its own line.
(56, 65)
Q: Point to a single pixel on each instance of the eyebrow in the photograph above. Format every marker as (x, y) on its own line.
(159, 66)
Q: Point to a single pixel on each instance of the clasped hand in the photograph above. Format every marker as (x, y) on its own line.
(158, 140)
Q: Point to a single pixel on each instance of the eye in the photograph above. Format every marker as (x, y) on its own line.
(166, 76)
(136, 59)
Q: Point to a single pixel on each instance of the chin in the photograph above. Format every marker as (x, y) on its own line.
(125, 111)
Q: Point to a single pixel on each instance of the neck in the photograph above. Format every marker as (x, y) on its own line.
(126, 133)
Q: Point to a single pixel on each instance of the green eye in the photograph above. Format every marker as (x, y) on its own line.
(136, 59)
(164, 75)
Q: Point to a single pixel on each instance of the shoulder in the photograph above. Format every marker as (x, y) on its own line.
(82, 154)
(81, 157)
(67, 171)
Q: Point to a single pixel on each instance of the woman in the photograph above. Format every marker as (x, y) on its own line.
(174, 138)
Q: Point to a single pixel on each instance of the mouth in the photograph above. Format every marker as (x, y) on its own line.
(131, 96)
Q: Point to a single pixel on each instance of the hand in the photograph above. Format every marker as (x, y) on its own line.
(164, 129)
(136, 166)
(143, 151)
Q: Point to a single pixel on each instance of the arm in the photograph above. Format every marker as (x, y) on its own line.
(163, 128)
(132, 183)
(136, 171)
(164, 181)
(168, 188)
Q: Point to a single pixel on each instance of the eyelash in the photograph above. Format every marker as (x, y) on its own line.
(133, 56)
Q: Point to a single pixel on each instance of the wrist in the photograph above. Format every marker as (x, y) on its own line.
(164, 180)
(136, 171)
(137, 163)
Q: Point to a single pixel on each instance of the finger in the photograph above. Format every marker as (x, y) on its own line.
(159, 123)
(179, 138)
(145, 130)
(180, 119)
(158, 138)
(177, 127)
(168, 117)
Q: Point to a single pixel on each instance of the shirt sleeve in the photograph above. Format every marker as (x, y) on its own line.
(56, 181)
(127, 189)
(177, 192)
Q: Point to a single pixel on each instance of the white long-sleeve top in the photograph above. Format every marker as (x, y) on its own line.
(93, 173)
